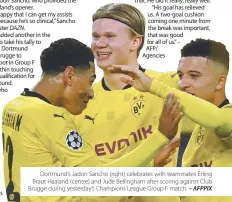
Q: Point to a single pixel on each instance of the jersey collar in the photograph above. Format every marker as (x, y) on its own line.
(105, 87)
(29, 93)
(225, 102)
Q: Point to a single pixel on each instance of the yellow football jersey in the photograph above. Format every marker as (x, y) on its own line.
(205, 148)
(116, 122)
(38, 134)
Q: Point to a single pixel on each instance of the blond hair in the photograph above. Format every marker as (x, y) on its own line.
(126, 14)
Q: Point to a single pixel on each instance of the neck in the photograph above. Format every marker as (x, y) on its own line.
(112, 80)
(49, 89)
(219, 99)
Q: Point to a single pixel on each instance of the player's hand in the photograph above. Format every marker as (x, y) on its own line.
(164, 156)
(170, 116)
(135, 77)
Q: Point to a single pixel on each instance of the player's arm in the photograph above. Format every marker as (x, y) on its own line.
(145, 152)
(199, 110)
(67, 145)
(74, 156)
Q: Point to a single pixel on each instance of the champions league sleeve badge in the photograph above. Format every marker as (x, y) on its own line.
(74, 140)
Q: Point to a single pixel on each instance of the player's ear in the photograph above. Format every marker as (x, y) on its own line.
(68, 75)
(136, 42)
(221, 82)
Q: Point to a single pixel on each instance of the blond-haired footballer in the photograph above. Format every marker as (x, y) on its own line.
(120, 118)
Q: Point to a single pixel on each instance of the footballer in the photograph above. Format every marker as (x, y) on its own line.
(202, 70)
(120, 118)
(38, 129)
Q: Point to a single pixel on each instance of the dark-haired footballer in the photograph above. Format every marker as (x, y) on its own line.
(202, 70)
(37, 127)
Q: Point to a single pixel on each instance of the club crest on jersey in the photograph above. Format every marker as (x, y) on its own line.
(74, 140)
(137, 106)
(200, 136)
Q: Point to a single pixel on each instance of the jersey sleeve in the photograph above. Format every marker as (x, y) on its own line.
(199, 110)
(142, 155)
(63, 140)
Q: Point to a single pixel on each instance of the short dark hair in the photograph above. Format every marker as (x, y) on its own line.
(65, 52)
(211, 49)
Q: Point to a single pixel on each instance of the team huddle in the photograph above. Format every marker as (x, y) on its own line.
(133, 117)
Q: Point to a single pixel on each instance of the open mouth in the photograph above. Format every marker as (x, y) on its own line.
(103, 55)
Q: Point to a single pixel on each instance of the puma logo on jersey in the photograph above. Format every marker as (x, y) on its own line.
(90, 118)
(60, 116)
(111, 147)
(204, 164)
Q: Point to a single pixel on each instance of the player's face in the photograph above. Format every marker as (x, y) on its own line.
(197, 77)
(79, 91)
(111, 42)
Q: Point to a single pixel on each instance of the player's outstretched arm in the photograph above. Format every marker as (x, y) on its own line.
(145, 152)
(199, 110)
(66, 144)
(74, 151)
